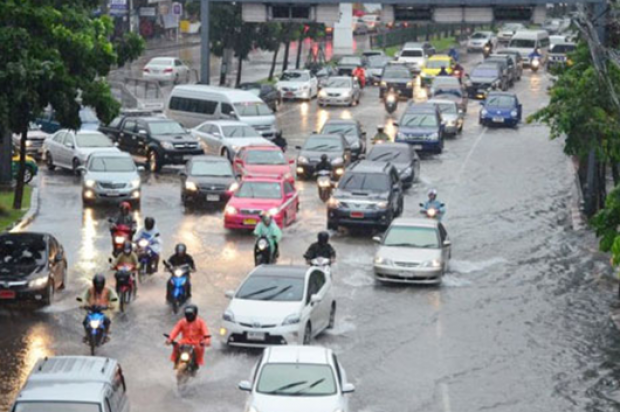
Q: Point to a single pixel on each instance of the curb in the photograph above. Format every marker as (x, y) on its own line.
(578, 220)
(32, 212)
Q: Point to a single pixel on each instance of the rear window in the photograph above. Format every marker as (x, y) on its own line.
(396, 72)
(161, 62)
(259, 190)
(523, 43)
(56, 407)
(252, 109)
(412, 53)
(418, 120)
(367, 182)
(501, 101)
(563, 48)
(186, 104)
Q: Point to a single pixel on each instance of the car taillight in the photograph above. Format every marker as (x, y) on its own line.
(146, 70)
(168, 70)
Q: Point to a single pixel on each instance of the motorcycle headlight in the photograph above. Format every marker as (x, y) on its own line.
(383, 84)
(89, 183)
(337, 161)
(391, 98)
(230, 210)
(135, 183)
(94, 324)
(431, 212)
(484, 112)
(382, 205)
(383, 261)
(274, 211)
(302, 159)
(406, 172)
(184, 357)
(143, 243)
(178, 273)
(119, 240)
(292, 319)
(191, 186)
(228, 316)
(233, 187)
(514, 113)
(38, 282)
(435, 263)
(167, 145)
(262, 244)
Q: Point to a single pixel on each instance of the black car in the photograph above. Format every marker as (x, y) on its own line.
(374, 68)
(351, 130)
(333, 145)
(397, 77)
(370, 194)
(155, 140)
(403, 156)
(32, 267)
(483, 79)
(507, 64)
(207, 180)
(266, 92)
(347, 64)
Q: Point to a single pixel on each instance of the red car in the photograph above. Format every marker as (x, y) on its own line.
(266, 161)
(257, 194)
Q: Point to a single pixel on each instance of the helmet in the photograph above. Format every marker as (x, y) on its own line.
(99, 282)
(432, 194)
(380, 128)
(125, 207)
(265, 217)
(324, 157)
(180, 249)
(191, 313)
(149, 223)
(127, 247)
(323, 238)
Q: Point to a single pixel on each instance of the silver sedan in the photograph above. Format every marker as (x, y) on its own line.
(452, 116)
(342, 90)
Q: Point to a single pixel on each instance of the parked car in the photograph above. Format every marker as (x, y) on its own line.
(279, 305)
(263, 161)
(110, 177)
(451, 116)
(413, 250)
(226, 137)
(33, 266)
(516, 57)
(258, 194)
(479, 39)
(276, 382)
(508, 66)
(370, 194)
(30, 171)
(336, 148)
(360, 28)
(339, 91)
(157, 141)
(400, 155)
(207, 180)
(34, 141)
(298, 84)
(399, 78)
(166, 69)
(558, 54)
(70, 150)
(267, 92)
(483, 79)
(508, 30)
(373, 21)
(501, 109)
(421, 127)
(352, 131)
(49, 124)
(347, 64)
(374, 68)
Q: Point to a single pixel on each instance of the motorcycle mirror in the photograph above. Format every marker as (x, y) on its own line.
(421, 204)
(298, 147)
(245, 386)
(395, 124)
(166, 335)
(447, 243)
(229, 294)
(442, 204)
(78, 299)
(114, 300)
(110, 260)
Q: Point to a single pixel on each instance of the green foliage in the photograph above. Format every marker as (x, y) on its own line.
(128, 48)
(606, 223)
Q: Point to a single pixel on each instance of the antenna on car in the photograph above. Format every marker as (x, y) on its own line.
(105, 364)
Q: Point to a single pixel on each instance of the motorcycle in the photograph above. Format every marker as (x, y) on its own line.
(431, 212)
(95, 328)
(459, 74)
(146, 257)
(535, 64)
(324, 184)
(322, 263)
(262, 252)
(486, 51)
(178, 286)
(120, 234)
(391, 101)
(185, 362)
(126, 286)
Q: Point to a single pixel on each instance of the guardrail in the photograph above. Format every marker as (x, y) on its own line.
(420, 32)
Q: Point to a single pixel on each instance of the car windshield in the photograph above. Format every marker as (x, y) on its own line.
(378, 61)
(562, 48)
(339, 83)
(486, 72)
(239, 131)
(295, 379)
(219, 169)
(265, 157)
(88, 116)
(335, 128)
(478, 36)
(274, 288)
(166, 128)
(437, 64)
(160, 62)
(323, 144)
(252, 109)
(447, 92)
(418, 120)
(446, 81)
(352, 61)
(295, 76)
(388, 154)
(501, 101)
(259, 190)
(56, 407)
(449, 108)
(367, 182)
(111, 164)
(409, 236)
(395, 72)
(523, 43)
(22, 250)
(412, 53)
(93, 140)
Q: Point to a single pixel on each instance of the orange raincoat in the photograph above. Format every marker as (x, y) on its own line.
(193, 334)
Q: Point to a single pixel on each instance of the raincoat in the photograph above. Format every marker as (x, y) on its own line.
(193, 333)
(435, 204)
(380, 137)
(152, 236)
(90, 298)
(272, 233)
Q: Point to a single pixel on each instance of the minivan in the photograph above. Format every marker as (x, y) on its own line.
(526, 41)
(414, 55)
(194, 104)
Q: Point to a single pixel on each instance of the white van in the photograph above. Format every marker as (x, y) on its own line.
(413, 55)
(526, 41)
(194, 104)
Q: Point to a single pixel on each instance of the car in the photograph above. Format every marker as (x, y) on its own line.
(226, 137)
(33, 266)
(49, 124)
(400, 155)
(414, 55)
(483, 79)
(399, 78)
(370, 194)
(299, 378)
(553, 26)
(263, 161)
(433, 66)
(110, 177)
(343, 90)
(374, 68)
(508, 30)
(360, 28)
(336, 148)
(74, 383)
(527, 41)
(507, 65)
(258, 194)
(479, 39)
(298, 84)
(207, 180)
(279, 305)
(34, 141)
(69, 149)
(446, 87)
(558, 54)
(166, 69)
(352, 131)
(157, 141)
(421, 126)
(373, 53)
(267, 92)
(413, 250)
(324, 73)
(501, 109)
(373, 21)
(347, 64)
(516, 57)
(30, 171)
(452, 116)
(557, 39)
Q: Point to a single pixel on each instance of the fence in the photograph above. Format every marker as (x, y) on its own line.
(420, 32)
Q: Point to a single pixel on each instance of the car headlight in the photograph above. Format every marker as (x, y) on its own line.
(484, 112)
(383, 84)
(302, 159)
(514, 113)
(273, 211)
(435, 263)
(94, 324)
(337, 161)
(383, 261)
(167, 145)
(28, 143)
(233, 187)
(323, 93)
(235, 148)
(184, 357)
(135, 183)
(382, 205)
(38, 282)
(333, 203)
(191, 186)
(89, 183)
(230, 210)
(409, 85)
(433, 136)
(292, 319)
(287, 176)
(347, 93)
(119, 240)
(400, 135)
(406, 172)
(228, 316)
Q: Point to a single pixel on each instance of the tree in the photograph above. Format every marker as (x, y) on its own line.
(269, 37)
(54, 53)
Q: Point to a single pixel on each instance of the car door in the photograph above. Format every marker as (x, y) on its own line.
(181, 69)
(396, 188)
(65, 155)
(55, 266)
(140, 138)
(127, 134)
(324, 305)
(205, 132)
(55, 144)
(362, 136)
(228, 112)
(291, 202)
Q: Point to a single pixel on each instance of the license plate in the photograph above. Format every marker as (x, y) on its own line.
(113, 193)
(7, 294)
(417, 147)
(405, 274)
(213, 198)
(289, 94)
(258, 336)
(249, 221)
(357, 215)
(498, 120)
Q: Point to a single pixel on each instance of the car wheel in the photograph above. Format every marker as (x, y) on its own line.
(49, 161)
(75, 164)
(49, 294)
(28, 174)
(307, 334)
(332, 226)
(332, 317)
(176, 79)
(401, 207)
(226, 153)
(154, 162)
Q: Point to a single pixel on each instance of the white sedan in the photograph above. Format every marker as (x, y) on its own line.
(279, 305)
(298, 84)
(300, 379)
(166, 69)
(479, 39)
(70, 149)
(226, 137)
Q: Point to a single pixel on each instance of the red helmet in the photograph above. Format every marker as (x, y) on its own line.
(125, 207)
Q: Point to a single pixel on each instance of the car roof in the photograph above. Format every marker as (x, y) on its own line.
(159, 119)
(24, 234)
(290, 271)
(233, 95)
(72, 369)
(425, 107)
(490, 65)
(80, 132)
(272, 148)
(110, 154)
(391, 145)
(297, 71)
(224, 123)
(209, 158)
(507, 94)
(441, 101)
(341, 77)
(369, 166)
(415, 221)
(90, 392)
(326, 135)
(298, 354)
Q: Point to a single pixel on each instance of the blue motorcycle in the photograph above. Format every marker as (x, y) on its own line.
(177, 289)
(146, 257)
(94, 326)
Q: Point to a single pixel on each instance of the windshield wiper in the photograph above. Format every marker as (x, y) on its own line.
(288, 386)
(258, 292)
(383, 155)
(278, 293)
(323, 146)
(312, 385)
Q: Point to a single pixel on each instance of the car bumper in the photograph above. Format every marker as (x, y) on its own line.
(395, 274)
(452, 128)
(235, 334)
(478, 94)
(98, 195)
(475, 47)
(335, 101)
(499, 121)
(22, 293)
(247, 222)
(208, 197)
(296, 94)
(370, 218)
(34, 152)
(422, 146)
(162, 77)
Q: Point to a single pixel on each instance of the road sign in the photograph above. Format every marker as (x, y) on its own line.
(177, 9)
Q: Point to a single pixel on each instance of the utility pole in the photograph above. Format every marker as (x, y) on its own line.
(205, 52)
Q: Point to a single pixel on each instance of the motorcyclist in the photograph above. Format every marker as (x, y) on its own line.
(535, 54)
(320, 248)
(361, 76)
(268, 228)
(180, 258)
(126, 258)
(99, 295)
(324, 164)
(151, 233)
(124, 218)
(193, 331)
(443, 71)
(454, 54)
(433, 203)
(381, 136)
(458, 70)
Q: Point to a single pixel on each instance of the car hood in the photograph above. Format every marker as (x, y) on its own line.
(478, 41)
(408, 254)
(360, 196)
(482, 80)
(259, 204)
(248, 141)
(17, 273)
(412, 59)
(206, 181)
(337, 89)
(272, 403)
(417, 131)
(263, 312)
(449, 116)
(291, 84)
(267, 170)
(32, 135)
(254, 121)
(114, 177)
(395, 80)
(315, 156)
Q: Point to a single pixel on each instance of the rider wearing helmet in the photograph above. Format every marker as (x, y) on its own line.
(151, 233)
(320, 248)
(443, 71)
(180, 258)
(324, 164)
(381, 136)
(268, 228)
(99, 295)
(433, 203)
(360, 74)
(124, 218)
(193, 331)
(126, 258)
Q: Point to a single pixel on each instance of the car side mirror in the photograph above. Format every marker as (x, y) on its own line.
(298, 147)
(421, 204)
(395, 124)
(141, 169)
(245, 386)
(59, 257)
(376, 239)
(348, 388)
(142, 132)
(229, 294)
(81, 169)
(314, 299)
(446, 243)
(78, 299)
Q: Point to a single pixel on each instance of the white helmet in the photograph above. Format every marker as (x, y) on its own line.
(432, 193)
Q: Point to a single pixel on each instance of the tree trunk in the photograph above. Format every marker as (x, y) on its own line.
(299, 44)
(19, 187)
(615, 173)
(273, 62)
(5, 158)
(287, 47)
(239, 67)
